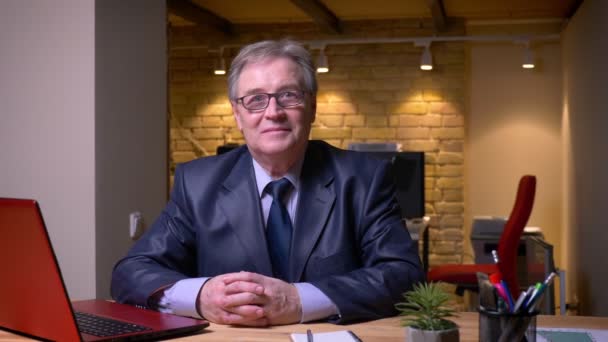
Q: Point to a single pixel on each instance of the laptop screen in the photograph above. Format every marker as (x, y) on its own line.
(32, 294)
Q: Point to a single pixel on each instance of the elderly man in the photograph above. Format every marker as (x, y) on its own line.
(282, 230)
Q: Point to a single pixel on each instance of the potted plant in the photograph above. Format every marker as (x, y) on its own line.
(425, 312)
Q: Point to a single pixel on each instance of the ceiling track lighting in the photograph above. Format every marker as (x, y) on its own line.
(219, 65)
(426, 60)
(322, 66)
(528, 62)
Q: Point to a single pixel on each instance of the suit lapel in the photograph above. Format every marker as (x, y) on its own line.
(241, 205)
(314, 206)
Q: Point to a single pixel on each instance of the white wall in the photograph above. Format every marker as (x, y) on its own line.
(514, 128)
(83, 124)
(585, 118)
(47, 132)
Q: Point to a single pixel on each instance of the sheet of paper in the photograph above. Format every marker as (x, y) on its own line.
(570, 334)
(333, 336)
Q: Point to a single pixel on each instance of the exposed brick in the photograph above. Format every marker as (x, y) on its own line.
(331, 120)
(450, 183)
(413, 133)
(212, 121)
(183, 64)
(336, 108)
(369, 109)
(376, 121)
(452, 146)
(214, 109)
(374, 133)
(330, 133)
(208, 133)
(393, 121)
(444, 247)
(408, 108)
(410, 120)
(382, 96)
(452, 234)
(429, 169)
(333, 96)
(449, 208)
(448, 133)
(453, 121)
(432, 195)
(180, 157)
(182, 145)
(180, 110)
(453, 196)
(431, 95)
(451, 221)
(190, 121)
(421, 145)
(450, 158)
(450, 170)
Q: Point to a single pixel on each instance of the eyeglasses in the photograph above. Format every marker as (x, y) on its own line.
(259, 102)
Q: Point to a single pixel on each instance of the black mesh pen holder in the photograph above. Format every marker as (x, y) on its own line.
(495, 326)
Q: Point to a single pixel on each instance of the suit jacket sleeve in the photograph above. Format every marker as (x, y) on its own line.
(164, 255)
(389, 262)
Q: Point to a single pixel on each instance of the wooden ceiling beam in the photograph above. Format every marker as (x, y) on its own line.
(438, 14)
(324, 18)
(199, 15)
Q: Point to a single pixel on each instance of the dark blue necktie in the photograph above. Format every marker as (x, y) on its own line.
(278, 228)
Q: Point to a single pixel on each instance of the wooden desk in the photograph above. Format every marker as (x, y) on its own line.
(384, 330)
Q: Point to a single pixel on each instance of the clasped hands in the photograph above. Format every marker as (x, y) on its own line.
(249, 299)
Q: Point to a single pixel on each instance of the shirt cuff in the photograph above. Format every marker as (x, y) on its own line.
(315, 304)
(182, 297)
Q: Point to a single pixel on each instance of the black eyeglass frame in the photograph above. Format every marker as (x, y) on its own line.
(276, 97)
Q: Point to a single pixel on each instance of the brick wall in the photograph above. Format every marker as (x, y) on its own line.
(373, 93)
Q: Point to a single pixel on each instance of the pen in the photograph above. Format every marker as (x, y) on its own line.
(538, 291)
(508, 295)
(309, 337)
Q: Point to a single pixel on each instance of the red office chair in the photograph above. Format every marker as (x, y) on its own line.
(464, 276)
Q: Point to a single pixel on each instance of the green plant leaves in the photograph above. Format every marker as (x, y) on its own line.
(425, 307)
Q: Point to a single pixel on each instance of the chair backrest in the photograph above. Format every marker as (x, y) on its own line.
(514, 227)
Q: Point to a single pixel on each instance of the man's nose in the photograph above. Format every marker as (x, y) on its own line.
(274, 110)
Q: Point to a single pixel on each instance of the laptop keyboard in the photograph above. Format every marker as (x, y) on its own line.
(103, 327)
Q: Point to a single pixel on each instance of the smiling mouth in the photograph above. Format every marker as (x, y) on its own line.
(276, 130)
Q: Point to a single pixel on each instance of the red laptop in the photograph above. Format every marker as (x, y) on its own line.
(34, 300)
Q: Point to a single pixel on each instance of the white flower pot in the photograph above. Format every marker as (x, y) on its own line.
(417, 335)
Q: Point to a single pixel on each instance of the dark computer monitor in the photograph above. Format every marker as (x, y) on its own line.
(408, 169)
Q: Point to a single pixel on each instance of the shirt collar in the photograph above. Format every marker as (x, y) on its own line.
(262, 177)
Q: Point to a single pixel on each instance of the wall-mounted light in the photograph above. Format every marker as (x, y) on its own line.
(322, 65)
(528, 61)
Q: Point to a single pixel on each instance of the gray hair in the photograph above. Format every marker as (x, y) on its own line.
(273, 48)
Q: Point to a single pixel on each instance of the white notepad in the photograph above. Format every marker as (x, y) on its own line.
(332, 336)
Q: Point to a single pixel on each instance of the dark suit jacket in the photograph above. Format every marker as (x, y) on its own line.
(349, 240)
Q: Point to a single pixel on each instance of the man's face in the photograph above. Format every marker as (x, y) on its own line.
(274, 131)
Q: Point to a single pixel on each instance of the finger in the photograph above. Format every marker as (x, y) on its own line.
(242, 298)
(244, 286)
(243, 276)
(247, 311)
(236, 319)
